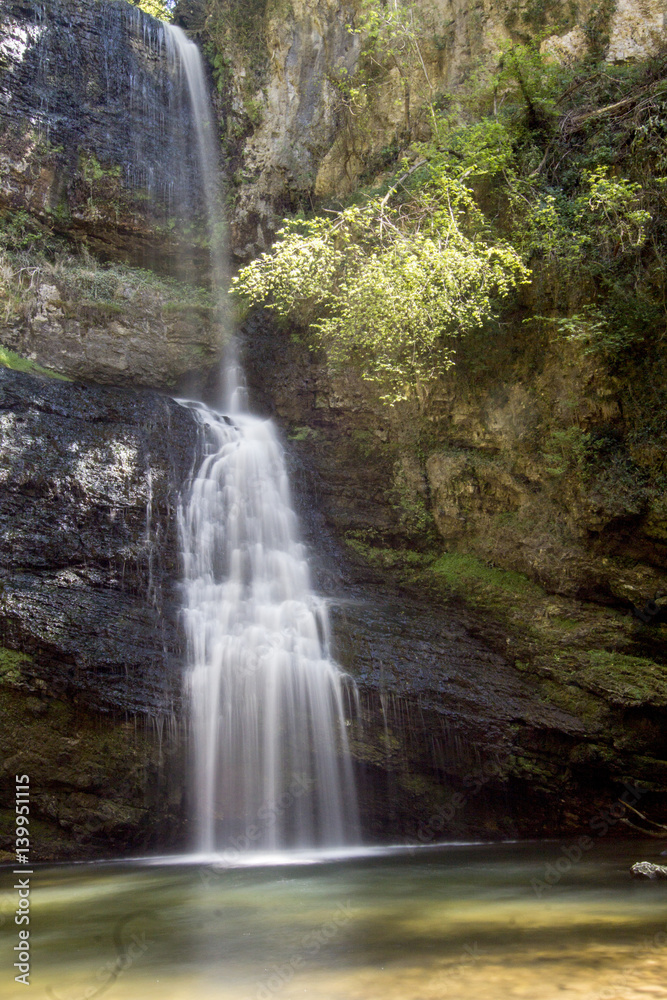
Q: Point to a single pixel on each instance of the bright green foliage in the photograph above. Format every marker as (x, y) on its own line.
(387, 292)
(609, 208)
(391, 32)
(538, 167)
(9, 359)
(161, 9)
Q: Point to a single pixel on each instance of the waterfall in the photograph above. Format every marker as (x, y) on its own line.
(268, 703)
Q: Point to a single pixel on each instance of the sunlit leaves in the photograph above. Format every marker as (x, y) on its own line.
(156, 8)
(386, 289)
(612, 206)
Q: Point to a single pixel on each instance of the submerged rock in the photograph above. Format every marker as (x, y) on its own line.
(646, 869)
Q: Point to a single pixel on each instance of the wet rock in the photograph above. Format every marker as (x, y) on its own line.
(646, 869)
(102, 149)
(99, 148)
(89, 486)
(89, 482)
(490, 633)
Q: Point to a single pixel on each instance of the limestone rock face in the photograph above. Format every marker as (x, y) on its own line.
(481, 571)
(138, 336)
(308, 112)
(542, 475)
(637, 29)
(300, 113)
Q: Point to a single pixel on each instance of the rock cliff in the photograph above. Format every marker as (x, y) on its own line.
(97, 153)
(91, 645)
(95, 127)
(486, 565)
(310, 109)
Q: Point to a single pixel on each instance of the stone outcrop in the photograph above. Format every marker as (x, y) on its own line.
(91, 645)
(109, 325)
(540, 473)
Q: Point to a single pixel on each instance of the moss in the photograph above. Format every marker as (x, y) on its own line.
(70, 752)
(416, 784)
(366, 443)
(374, 746)
(410, 503)
(573, 700)
(592, 754)
(11, 662)
(537, 772)
(564, 624)
(95, 311)
(304, 434)
(361, 542)
(8, 359)
(465, 573)
(203, 309)
(625, 680)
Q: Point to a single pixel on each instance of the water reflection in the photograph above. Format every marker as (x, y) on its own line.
(456, 922)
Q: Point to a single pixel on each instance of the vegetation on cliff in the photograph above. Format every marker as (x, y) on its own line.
(555, 170)
(52, 291)
(161, 9)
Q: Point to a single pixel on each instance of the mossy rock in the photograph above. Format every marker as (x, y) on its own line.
(11, 662)
(571, 698)
(9, 359)
(625, 680)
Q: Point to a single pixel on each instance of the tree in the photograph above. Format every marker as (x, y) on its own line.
(162, 9)
(389, 287)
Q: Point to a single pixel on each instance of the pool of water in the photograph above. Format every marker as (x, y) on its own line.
(484, 922)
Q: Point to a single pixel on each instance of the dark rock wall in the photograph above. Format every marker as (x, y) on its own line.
(89, 486)
(96, 131)
(90, 482)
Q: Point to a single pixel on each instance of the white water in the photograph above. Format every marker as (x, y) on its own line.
(269, 705)
(183, 55)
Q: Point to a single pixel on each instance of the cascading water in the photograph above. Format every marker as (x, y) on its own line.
(268, 703)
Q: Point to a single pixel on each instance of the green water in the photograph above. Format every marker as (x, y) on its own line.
(479, 922)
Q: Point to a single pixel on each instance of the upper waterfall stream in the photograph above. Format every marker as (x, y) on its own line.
(268, 702)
